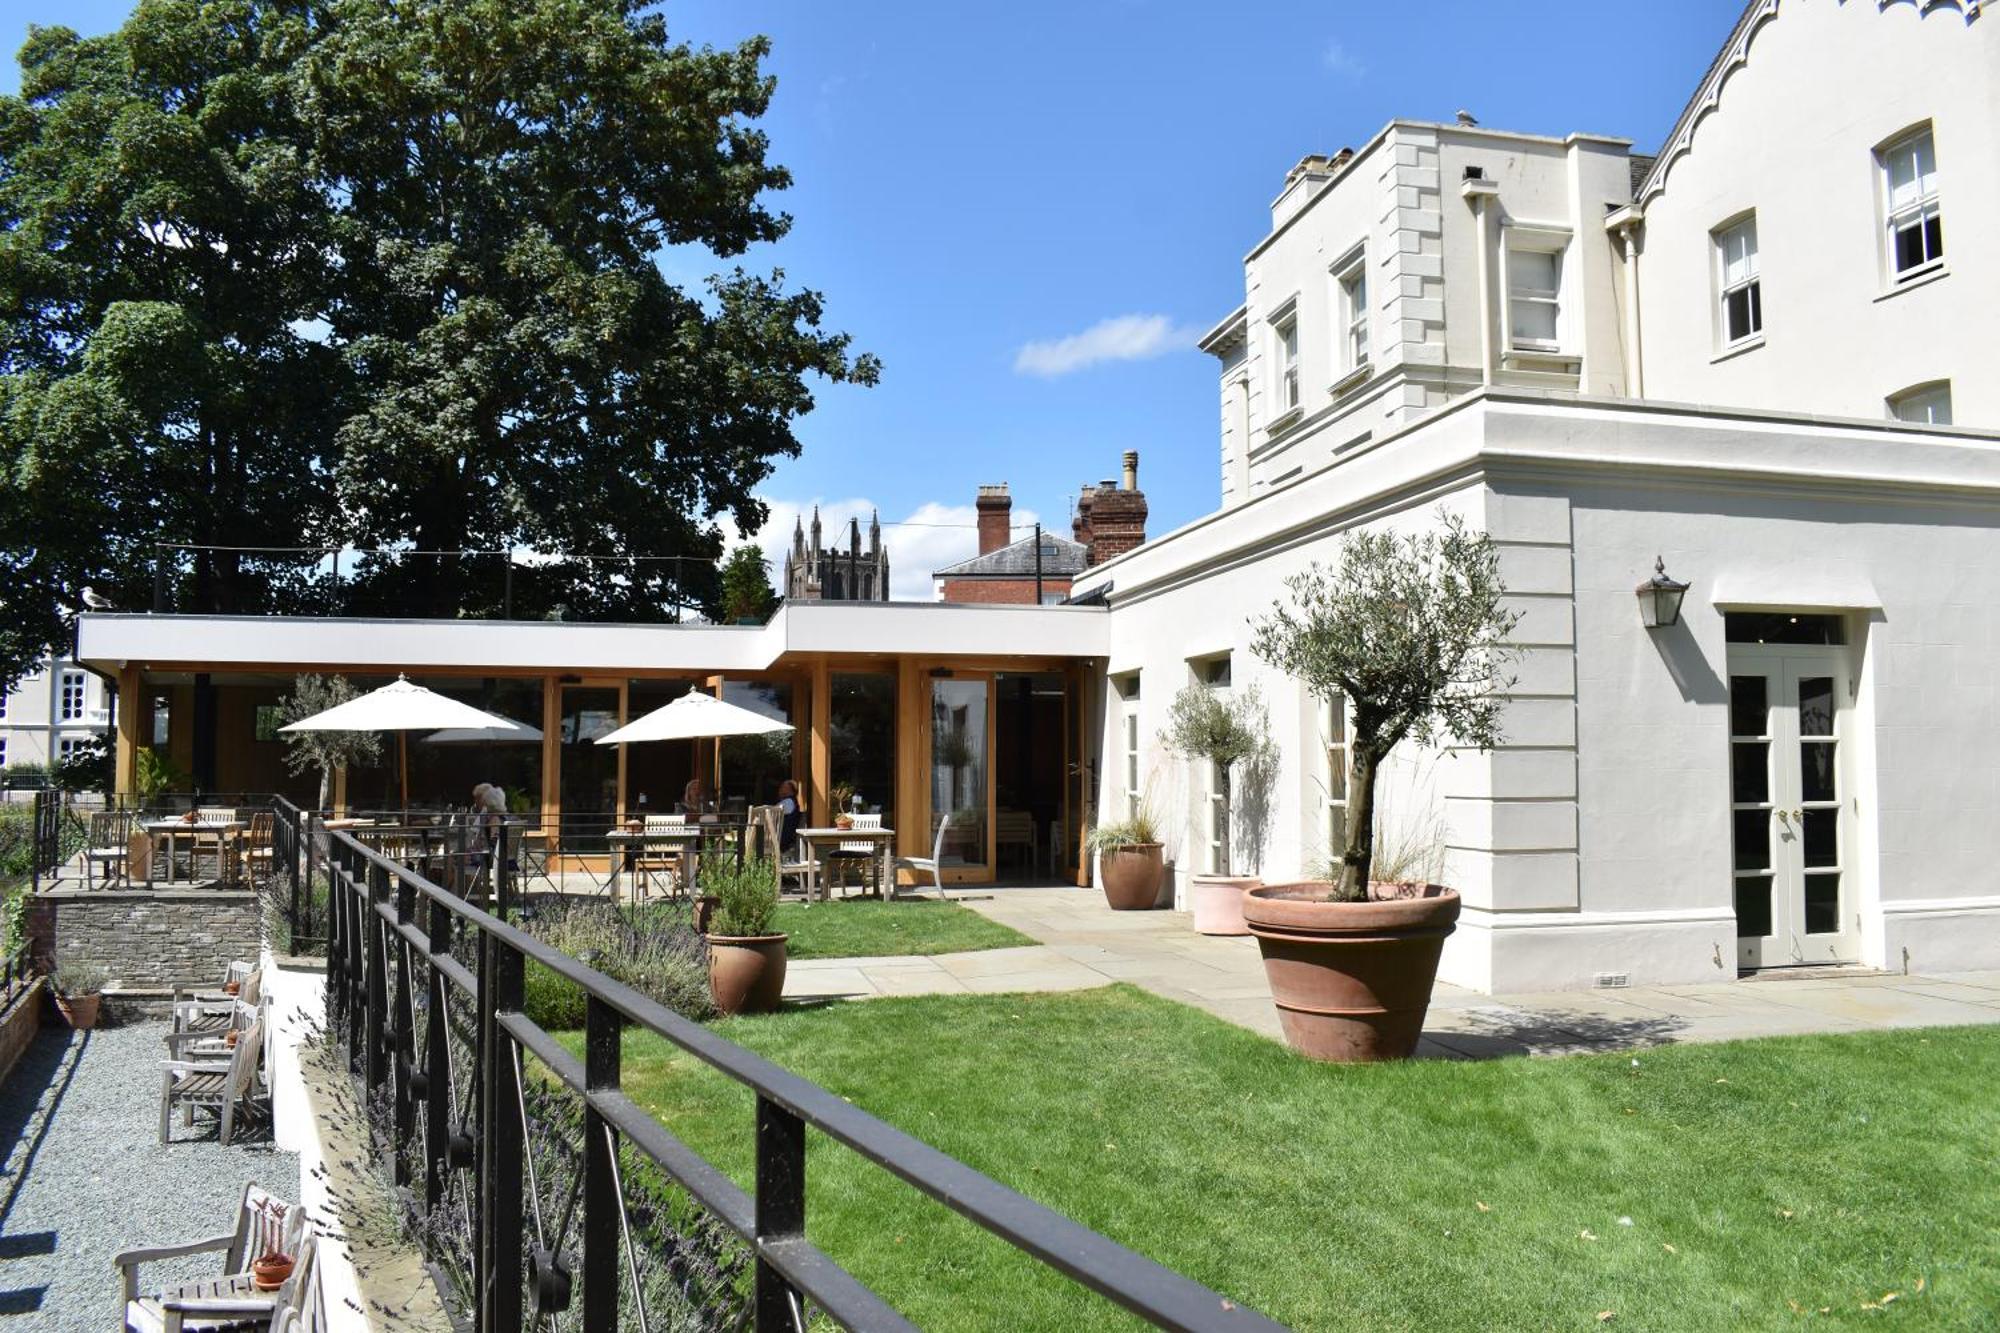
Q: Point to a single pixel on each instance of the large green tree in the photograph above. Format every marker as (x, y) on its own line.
(386, 273)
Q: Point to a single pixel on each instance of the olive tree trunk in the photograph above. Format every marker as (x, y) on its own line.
(1357, 859)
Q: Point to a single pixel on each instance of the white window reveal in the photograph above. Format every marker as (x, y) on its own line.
(1351, 279)
(72, 696)
(1128, 689)
(1286, 333)
(1923, 405)
(1534, 298)
(1333, 780)
(1916, 226)
(1742, 290)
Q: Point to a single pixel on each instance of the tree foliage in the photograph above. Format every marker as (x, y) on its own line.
(1222, 731)
(324, 751)
(386, 273)
(747, 593)
(1409, 635)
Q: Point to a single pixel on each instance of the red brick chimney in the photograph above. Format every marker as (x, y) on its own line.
(1115, 520)
(995, 508)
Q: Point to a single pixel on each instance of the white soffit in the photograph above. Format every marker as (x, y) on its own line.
(1795, 588)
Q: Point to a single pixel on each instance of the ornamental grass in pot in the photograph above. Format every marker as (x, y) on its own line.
(1403, 638)
(78, 989)
(1205, 727)
(1131, 861)
(746, 957)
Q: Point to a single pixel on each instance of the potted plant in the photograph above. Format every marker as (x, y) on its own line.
(1204, 726)
(78, 989)
(1130, 861)
(746, 957)
(1407, 635)
(270, 1269)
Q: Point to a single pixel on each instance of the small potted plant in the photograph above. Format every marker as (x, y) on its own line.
(1130, 861)
(78, 989)
(270, 1269)
(840, 797)
(1205, 727)
(746, 957)
(1406, 634)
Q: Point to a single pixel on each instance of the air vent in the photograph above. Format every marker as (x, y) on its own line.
(1611, 980)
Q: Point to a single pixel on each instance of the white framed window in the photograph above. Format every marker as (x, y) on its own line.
(1128, 691)
(68, 747)
(1910, 204)
(1285, 355)
(3, 752)
(1350, 280)
(72, 697)
(1333, 777)
(1534, 295)
(1741, 309)
(1923, 404)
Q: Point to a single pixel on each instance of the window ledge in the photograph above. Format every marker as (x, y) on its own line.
(1922, 278)
(1284, 421)
(1750, 344)
(1536, 358)
(1353, 379)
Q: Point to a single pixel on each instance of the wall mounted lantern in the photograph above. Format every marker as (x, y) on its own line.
(1660, 598)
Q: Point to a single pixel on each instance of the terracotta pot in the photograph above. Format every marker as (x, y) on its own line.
(746, 973)
(232, 987)
(270, 1272)
(79, 1011)
(704, 912)
(1352, 981)
(1131, 875)
(1217, 901)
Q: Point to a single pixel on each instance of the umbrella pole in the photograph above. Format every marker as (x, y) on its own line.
(403, 756)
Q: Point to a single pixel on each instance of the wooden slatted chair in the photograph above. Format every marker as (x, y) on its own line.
(668, 862)
(227, 1088)
(769, 820)
(110, 845)
(861, 854)
(229, 1300)
(257, 847)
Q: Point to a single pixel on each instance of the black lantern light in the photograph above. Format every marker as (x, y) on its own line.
(1660, 598)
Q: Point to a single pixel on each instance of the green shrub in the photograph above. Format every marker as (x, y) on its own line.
(746, 895)
(75, 978)
(654, 952)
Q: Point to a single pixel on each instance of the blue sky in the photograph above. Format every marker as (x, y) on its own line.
(990, 193)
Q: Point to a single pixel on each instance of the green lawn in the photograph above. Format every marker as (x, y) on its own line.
(1762, 1180)
(865, 928)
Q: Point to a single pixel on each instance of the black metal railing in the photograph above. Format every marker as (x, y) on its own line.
(17, 973)
(410, 962)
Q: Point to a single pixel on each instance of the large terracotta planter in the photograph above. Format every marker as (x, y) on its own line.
(79, 1011)
(1217, 901)
(746, 973)
(1352, 981)
(1131, 875)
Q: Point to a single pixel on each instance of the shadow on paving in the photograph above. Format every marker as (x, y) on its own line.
(1491, 1032)
(29, 1102)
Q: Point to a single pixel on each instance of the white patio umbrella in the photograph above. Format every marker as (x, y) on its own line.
(692, 717)
(401, 707)
(513, 732)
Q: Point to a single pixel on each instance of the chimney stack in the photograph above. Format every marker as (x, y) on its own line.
(995, 507)
(1115, 519)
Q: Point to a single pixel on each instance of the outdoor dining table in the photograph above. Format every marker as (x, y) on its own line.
(173, 830)
(816, 840)
(687, 838)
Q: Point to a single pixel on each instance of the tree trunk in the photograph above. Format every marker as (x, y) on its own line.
(1357, 860)
(325, 787)
(1222, 857)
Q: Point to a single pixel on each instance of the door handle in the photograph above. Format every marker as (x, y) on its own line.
(1784, 818)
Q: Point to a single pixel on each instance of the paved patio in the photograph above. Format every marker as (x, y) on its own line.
(1085, 944)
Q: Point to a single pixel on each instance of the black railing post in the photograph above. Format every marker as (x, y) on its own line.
(503, 879)
(405, 1028)
(35, 843)
(375, 1064)
(780, 1207)
(503, 1147)
(437, 1061)
(601, 1205)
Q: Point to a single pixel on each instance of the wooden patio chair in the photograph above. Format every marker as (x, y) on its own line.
(110, 846)
(227, 1088)
(928, 865)
(861, 853)
(257, 846)
(201, 1030)
(1014, 830)
(666, 862)
(140, 851)
(769, 821)
(228, 1300)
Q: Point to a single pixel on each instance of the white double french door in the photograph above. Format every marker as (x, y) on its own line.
(1792, 806)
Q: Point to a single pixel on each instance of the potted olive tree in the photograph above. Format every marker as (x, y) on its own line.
(1407, 634)
(1204, 727)
(746, 956)
(1131, 861)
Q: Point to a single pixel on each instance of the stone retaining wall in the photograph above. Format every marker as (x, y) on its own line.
(148, 940)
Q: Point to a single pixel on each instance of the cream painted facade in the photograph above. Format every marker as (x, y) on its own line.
(1626, 830)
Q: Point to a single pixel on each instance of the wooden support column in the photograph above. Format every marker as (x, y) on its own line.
(130, 726)
(340, 792)
(912, 814)
(551, 751)
(821, 804)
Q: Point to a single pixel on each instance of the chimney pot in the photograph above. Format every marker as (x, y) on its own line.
(1131, 469)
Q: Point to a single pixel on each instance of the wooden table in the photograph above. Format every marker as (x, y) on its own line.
(628, 843)
(173, 830)
(814, 840)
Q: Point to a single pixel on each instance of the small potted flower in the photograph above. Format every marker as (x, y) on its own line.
(78, 989)
(1131, 862)
(746, 956)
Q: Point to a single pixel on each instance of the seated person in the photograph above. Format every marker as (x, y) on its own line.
(788, 812)
(694, 797)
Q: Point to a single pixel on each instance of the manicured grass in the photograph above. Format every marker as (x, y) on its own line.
(866, 928)
(1764, 1181)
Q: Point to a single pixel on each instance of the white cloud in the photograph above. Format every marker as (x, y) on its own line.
(1343, 61)
(928, 537)
(1120, 338)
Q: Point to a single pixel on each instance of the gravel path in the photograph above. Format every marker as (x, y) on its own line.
(86, 1176)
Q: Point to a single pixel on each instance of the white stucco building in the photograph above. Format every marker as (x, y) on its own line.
(52, 711)
(1745, 356)
(1761, 356)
